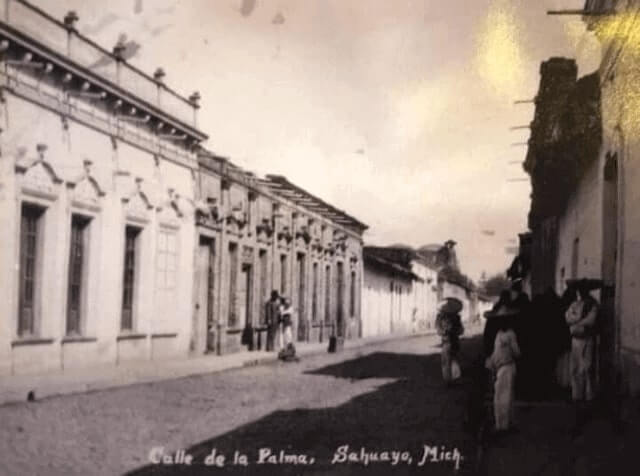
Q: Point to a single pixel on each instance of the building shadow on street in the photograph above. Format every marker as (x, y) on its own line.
(414, 409)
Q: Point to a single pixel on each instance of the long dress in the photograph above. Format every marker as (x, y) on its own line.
(581, 317)
(450, 328)
(502, 360)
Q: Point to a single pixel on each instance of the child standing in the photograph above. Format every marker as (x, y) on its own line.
(288, 352)
(286, 313)
(503, 362)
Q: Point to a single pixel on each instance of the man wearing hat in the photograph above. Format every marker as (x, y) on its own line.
(449, 327)
(272, 319)
(581, 318)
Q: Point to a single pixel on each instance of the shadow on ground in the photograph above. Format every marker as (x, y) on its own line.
(413, 410)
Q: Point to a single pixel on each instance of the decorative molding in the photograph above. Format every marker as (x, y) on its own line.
(103, 125)
(78, 340)
(236, 220)
(169, 214)
(164, 335)
(264, 231)
(85, 189)
(304, 234)
(247, 254)
(284, 235)
(38, 177)
(137, 205)
(32, 341)
(131, 336)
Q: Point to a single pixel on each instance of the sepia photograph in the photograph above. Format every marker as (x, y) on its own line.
(319, 237)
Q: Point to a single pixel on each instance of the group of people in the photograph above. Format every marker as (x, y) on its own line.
(279, 322)
(549, 342)
(543, 340)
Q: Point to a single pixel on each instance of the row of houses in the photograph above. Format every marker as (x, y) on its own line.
(125, 239)
(583, 221)
(403, 288)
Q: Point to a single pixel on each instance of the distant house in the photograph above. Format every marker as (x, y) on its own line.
(451, 282)
(399, 293)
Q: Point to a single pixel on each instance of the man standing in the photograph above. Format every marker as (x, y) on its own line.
(581, 318)
(272, 319)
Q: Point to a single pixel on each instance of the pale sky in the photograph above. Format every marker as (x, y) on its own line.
(397, 112)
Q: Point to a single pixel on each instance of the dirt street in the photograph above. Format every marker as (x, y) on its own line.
(369, 410)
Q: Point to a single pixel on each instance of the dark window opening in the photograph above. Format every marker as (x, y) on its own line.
(352, 295)
(232, 320)
(30, 236)
(283, 275)
(131, 252)
(314, 294)
(77, 266)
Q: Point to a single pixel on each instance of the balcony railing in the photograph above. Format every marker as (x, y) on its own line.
(66, 41)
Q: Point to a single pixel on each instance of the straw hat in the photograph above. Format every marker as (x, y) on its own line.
(451, 306)
(504, 310)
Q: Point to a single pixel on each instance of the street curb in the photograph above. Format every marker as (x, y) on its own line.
(323, 350)
(75, 388)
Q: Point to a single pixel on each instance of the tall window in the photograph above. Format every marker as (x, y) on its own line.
(131, 252)
(167, 260)
(283, 275)
(302, 285)
(327, 294)
(314, 293)
(340, 298)
(352, 295)
(30, 230)
(233, 285)
(264, 267)
(78, 251)
(575, 258)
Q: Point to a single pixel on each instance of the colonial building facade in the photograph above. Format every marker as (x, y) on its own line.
(123, 239)
(256, 236)
(615, 24)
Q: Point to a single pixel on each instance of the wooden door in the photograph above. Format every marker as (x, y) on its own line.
(204, 316)
(302, 313)
(340, 300)
(244, 297)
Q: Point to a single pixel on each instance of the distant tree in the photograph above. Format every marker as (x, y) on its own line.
(494, 285)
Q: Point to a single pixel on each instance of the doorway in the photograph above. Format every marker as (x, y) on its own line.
(245, 298)
(302, 291)
(204, 326)
(340, 299)
(610, 223)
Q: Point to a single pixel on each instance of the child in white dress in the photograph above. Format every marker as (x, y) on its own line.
(503, 362)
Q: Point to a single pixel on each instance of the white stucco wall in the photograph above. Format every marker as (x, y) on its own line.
(115, 171)
(581, 226)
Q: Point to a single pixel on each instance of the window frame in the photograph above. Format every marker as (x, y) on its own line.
(134, 278)
(33, 327)
(84, 274)
(168, 233)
